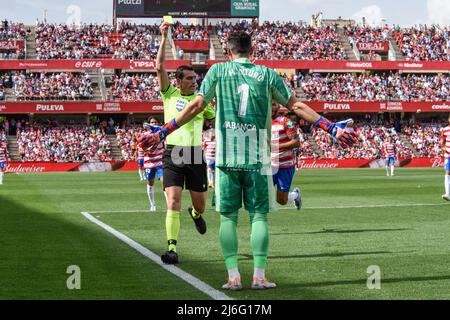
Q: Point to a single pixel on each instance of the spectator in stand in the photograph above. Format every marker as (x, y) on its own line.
(52, 86)
(288, 40)
(62, 144)
(424, 43)
(376, 87)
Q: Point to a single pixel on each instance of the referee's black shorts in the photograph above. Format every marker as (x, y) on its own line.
(185, 167)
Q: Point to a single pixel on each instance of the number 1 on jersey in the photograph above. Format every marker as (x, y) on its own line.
(243, 89)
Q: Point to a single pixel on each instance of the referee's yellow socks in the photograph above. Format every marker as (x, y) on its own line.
(172, 228)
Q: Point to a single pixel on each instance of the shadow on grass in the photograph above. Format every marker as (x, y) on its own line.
(38, 243)
(341, 231)
(364, 281)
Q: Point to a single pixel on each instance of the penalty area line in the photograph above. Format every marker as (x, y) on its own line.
(311, 208)
(372, 206)
(187, 277)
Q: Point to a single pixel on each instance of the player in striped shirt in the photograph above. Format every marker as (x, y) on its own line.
(445, 141)
(209, 147)
(390, 155)
(140, 157)
(153, 166)
(284, 140)
(3, 158)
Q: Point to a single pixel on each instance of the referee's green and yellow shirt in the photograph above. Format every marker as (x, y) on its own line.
(189, 135)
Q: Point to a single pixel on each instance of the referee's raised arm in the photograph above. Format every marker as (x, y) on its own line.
(163, 77)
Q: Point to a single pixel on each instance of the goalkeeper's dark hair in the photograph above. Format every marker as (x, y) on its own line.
(179, 73)
(240, 43)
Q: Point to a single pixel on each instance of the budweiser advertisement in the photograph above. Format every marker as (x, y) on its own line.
(382, 46)
(37, 167)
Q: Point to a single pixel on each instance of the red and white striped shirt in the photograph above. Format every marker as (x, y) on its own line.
(209, 146)
(282, 128)
(446, 138)
(153, 157)
(389, 150)
(140, 153)
(2, 154)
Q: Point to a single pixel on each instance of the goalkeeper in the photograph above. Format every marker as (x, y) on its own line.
(244, 93)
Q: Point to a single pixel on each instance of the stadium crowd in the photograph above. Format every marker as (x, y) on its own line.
(52, 86)
(424, 43)
(62, 144)
(376, 87)
(127, 141)
(87, 41)
(12, 31)
(189, 32)
(135, 87)
(287, 40)
(425, 137)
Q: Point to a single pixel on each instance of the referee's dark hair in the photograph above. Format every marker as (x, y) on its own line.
(240, 43)
(179, 73)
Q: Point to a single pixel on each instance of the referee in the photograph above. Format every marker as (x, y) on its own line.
(183, 161)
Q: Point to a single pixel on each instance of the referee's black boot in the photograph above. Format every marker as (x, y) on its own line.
(200, 223)
(169, 257)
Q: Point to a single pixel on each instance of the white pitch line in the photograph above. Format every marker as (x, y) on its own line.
(195, 282)
(313, 208)
(373, 206)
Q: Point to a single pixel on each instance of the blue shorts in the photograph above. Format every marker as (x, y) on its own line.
(447, 164)
(140, 163)
(283, 178)
(211, 163)
(2, 165)
(390, 160)
(151, 173)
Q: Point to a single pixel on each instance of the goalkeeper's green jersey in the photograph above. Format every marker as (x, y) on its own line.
(244, 93)
(189, 135)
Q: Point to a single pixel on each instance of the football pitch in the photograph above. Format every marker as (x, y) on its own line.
(352, 222)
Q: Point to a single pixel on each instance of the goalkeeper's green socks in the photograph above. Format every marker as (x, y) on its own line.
(229, 240)
(172, 228)
(260, 240)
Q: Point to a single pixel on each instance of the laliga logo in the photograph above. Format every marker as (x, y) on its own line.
(88, 64)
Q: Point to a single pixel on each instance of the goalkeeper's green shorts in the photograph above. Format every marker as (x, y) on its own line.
(232, 187)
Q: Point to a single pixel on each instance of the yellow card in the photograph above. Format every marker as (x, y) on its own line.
(168, 19)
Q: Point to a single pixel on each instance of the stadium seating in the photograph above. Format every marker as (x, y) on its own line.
(52, 86)
(376, 87)
(62, 144)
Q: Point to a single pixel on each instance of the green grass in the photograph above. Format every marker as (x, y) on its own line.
(315, 253)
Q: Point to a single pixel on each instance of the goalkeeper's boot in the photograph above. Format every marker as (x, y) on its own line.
(262, 284)
(446, 197)
(169, 257)
(298, 200)
(200, 223)
(233, 284)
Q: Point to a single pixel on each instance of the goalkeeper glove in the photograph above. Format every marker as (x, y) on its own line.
(342, 131)
(148, 140)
